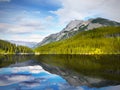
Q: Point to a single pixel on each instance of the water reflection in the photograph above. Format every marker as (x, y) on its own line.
(100, 66)
(30, 78)
(80, 72)
(6, 60)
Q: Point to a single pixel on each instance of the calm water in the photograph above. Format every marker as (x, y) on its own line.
(60, 72)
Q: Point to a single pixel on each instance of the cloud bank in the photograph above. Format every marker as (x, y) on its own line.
(82, 9)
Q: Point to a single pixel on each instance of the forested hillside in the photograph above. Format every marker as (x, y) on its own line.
(104, 40)
(76, 26)
(9, 48)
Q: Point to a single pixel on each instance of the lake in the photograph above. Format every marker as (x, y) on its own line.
(59, 72)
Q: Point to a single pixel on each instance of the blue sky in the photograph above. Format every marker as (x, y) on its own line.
(32, 20)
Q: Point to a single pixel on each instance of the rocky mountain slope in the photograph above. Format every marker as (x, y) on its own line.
(76, 26)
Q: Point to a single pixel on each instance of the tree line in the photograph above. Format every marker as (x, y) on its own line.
(9, 48)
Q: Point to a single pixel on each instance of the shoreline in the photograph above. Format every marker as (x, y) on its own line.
(57, 54)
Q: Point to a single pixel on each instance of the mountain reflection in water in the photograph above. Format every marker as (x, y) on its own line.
(60, 72)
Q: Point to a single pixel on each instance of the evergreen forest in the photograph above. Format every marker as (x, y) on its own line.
(103, 40)
(9, 48)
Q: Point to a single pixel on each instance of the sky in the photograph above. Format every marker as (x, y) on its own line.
(33, 20)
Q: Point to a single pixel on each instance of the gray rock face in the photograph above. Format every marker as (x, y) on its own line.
(76, 26)
(73, 25)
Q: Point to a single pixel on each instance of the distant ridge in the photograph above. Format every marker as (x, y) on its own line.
(23, 43)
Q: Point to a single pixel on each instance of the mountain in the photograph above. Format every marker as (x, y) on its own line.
(102, 40)
(23, 43)
(76, 26)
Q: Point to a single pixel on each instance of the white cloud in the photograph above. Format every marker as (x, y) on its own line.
(22, 23)
(80, 9)
(110, 9)
(32, 69)
(7, 80)
(28, 38)
(5, 0)
(25, 29)
(17, 78)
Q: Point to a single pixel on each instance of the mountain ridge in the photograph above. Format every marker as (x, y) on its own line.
(102, 40)
(76, 26)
